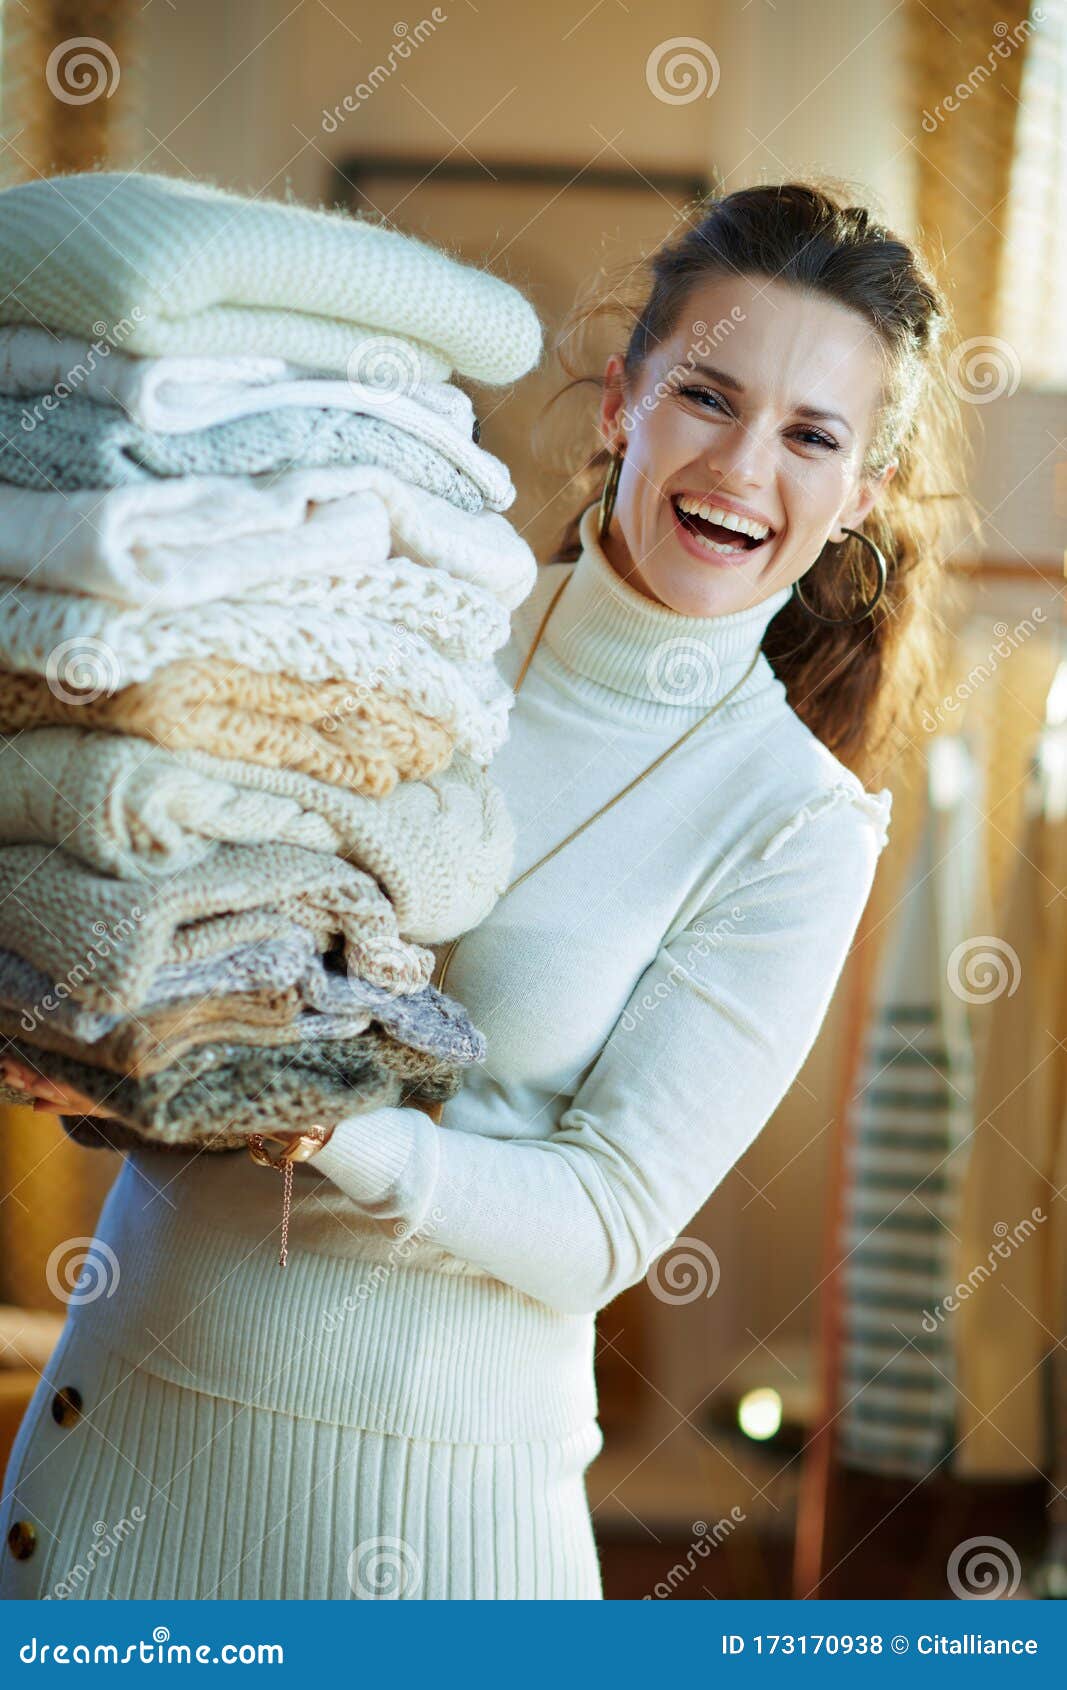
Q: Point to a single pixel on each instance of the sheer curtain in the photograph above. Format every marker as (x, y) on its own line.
(1032, 300)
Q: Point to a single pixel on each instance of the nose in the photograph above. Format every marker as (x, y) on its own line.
(739, 457)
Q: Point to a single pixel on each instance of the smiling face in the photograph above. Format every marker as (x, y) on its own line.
(765, 421)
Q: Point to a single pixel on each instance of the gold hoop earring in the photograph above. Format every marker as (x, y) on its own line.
(608, 494)
(883, 577)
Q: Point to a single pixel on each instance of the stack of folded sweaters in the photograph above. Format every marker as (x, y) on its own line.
(254, 569)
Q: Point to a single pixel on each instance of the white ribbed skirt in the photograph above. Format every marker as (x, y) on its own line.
(156, 1489)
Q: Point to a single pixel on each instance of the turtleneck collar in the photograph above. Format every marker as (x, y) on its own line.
(665, 665)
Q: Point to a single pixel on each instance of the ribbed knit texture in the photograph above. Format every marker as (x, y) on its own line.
(314, 1510)
(186, 267)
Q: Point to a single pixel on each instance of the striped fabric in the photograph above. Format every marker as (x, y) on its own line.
(907, 1147)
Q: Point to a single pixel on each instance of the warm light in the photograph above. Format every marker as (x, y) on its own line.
(759, 1413)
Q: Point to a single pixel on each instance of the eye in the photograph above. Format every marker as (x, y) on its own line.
(810, 435)
(818, 439)
(700, 393)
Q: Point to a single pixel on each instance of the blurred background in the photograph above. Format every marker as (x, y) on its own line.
(849, 1372)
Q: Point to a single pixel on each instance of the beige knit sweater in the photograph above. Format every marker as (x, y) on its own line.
(441, 847)
(104, 938)
(367, 741)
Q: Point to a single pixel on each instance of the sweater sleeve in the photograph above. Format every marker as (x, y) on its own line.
(714, 1034)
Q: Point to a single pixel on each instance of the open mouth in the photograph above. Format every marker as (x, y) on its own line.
(715, 536)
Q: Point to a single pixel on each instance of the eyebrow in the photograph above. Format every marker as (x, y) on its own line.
(725, 379)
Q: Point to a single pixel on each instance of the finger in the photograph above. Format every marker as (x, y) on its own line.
(43, 1087)
(14, 1070)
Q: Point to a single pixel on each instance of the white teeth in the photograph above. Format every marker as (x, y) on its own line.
(726, 519)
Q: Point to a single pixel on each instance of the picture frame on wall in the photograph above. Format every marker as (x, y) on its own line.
(547, 228)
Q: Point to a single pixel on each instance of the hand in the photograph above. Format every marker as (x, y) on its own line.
(47, 1096)
(268, 1142)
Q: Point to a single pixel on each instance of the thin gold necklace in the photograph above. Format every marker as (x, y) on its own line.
(437, 1108)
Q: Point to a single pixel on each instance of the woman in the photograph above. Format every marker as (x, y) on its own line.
(410, 1409)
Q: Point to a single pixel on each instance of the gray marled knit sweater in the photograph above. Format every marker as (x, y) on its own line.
(220, 1093)
(81, 444)
(286, 967)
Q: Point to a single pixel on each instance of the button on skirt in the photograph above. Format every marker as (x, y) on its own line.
(122, 1484)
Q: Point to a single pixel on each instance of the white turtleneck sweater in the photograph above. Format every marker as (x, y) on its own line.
(648, 997)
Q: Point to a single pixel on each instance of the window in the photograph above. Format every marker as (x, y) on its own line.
(1033, 318)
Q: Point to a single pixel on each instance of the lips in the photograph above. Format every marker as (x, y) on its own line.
(714, 539)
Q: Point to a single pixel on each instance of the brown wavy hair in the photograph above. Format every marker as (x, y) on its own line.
(860, 688)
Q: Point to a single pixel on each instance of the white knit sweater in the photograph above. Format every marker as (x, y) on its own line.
(648, 997)
(163, 264)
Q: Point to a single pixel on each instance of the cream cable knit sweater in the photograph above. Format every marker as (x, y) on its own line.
(186, 267)
(648, 997)
(440, 847)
